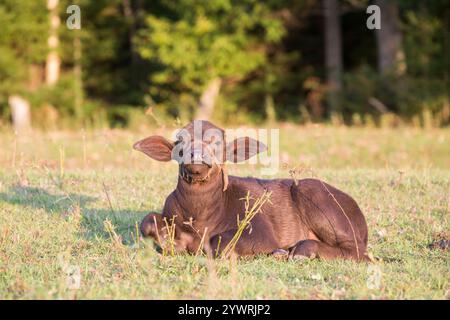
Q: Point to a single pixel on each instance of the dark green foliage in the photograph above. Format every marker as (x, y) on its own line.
(406, 96)
(193, 42)
(23, 41)
(269, 56)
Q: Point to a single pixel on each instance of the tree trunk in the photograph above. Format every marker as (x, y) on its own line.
(133, 20)
(208, 99)
(77, 70)
(52, 66)
(333, 53)
(391, 57)
(20, 111)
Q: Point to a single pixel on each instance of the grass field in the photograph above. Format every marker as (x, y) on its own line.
(59, 190)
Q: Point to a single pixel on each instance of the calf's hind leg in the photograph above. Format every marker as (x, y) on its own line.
(317, 249)
(334, 218)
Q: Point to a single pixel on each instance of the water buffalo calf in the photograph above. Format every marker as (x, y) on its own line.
(306, 218)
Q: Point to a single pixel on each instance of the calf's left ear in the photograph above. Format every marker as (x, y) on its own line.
(156, 147)
(244, 148)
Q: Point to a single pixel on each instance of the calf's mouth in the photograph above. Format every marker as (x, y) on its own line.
(193, 178)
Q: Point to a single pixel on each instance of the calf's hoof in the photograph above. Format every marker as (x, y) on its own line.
(306, 249)
(280, 254)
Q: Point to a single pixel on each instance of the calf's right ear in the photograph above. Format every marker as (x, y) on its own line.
(156, 147)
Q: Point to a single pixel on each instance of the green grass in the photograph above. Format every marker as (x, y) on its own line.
(50, 219)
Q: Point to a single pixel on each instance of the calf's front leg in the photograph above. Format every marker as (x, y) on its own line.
(151, 226)
(258, 239)
(155, 226)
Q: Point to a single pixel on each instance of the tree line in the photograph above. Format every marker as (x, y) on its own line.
(231, 60)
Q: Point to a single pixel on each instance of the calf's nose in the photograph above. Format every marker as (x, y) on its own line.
(194, 169)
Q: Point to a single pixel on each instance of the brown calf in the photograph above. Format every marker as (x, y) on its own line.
(307, 218)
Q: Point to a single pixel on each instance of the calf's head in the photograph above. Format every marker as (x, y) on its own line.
(200, 149)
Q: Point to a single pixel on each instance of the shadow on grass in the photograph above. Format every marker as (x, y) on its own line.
(123, 220)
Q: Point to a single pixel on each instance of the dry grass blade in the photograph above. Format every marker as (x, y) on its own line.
(107, 197)
(157, 232)
(190, 223)
(202, 242)
(138, 238)
(84, 150)
(116, 239)
(250, 213)
(62, 155)
(13, 161)
(170, 243)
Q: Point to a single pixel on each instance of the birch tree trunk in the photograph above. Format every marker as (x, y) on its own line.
(333, 52)
(208, 99)
(52, 66)
(20, 111)
(19, 106)
(391, 57)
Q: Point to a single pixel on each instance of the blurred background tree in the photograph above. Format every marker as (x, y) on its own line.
(228, 60)
(200, 46)
(23, 42)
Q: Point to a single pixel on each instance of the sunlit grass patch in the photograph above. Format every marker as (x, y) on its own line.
(51, 222)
